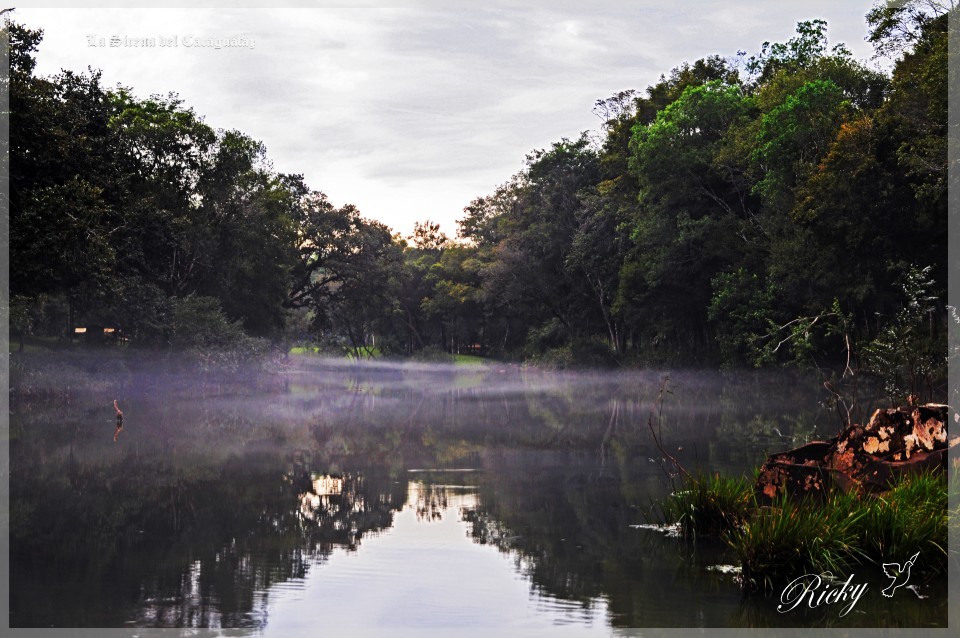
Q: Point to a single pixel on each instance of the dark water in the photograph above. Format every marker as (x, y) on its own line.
(390, 496)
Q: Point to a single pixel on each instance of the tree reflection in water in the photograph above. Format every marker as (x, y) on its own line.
(215, 495)
(430, 501)
(194, 552)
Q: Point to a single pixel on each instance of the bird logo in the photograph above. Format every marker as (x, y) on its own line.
(899, 574)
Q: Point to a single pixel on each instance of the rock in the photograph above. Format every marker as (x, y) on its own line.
(863, 458)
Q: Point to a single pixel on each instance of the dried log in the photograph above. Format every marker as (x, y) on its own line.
(863, 458)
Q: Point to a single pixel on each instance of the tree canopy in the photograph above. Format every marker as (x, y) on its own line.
(718, 210)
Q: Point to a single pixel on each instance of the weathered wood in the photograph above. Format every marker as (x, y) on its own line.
(863, 458)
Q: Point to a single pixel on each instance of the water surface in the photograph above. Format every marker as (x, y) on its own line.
(389, 496)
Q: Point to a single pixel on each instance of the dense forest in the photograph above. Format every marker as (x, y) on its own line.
(747, 210)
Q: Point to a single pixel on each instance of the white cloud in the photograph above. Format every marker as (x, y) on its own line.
(411, 113)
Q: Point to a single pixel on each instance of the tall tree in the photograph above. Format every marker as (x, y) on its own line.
(64, 199)
(693, 214)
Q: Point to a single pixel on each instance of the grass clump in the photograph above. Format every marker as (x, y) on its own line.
(792, 538)
(708, 505)
(910, 517)
(814, 535)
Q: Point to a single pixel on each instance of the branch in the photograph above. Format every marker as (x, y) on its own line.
(658, 433)
(792, 335)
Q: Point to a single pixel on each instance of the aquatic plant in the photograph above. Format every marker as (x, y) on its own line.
(708, 504)
(829, 533)
(909, 517)
(794, 537)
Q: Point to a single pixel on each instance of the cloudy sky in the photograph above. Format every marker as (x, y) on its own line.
(411, 112)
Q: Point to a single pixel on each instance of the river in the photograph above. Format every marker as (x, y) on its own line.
(393, 496)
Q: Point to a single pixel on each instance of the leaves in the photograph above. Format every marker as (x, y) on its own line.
(908, 354)
(726, 214)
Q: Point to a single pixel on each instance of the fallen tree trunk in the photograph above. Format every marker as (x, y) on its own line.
(863, 458)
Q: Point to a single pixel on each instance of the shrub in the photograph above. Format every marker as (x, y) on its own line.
(200, 329)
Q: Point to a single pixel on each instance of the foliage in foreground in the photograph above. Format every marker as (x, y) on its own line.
(794, 537)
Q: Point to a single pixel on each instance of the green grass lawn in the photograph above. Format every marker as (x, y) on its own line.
(35, 344)
(458, 359)
(364, 354)
(304, 350)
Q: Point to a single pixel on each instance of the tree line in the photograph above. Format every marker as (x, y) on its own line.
(743, 210)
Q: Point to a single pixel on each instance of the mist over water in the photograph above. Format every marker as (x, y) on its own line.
(439, 495)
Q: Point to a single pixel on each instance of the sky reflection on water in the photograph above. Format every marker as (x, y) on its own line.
(425, 572)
